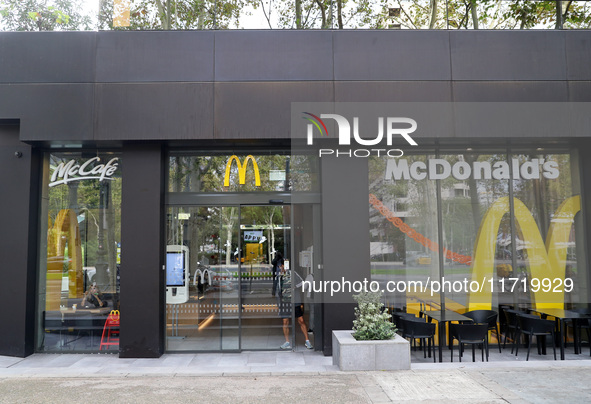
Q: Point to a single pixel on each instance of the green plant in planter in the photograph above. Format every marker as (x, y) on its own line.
(371, 322)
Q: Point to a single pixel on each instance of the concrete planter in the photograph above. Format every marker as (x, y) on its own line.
(350, 354)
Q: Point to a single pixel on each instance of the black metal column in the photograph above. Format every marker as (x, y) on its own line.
(142, 228)
(19, 176)
(345, 236)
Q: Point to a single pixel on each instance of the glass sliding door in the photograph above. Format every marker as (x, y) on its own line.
(264, 234)
(202, 303)
(219, 281)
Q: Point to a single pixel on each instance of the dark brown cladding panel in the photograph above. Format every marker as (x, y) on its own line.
(179, 85)
(154, 111)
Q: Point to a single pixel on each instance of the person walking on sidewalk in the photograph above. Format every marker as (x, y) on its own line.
(284, 302)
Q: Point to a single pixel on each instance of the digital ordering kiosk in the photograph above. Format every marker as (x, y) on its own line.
(177, 274)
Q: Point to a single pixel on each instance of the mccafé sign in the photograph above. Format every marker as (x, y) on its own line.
(440, 169)
(89, 170)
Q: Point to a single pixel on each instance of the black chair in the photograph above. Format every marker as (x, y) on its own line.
(579, 325)
(502, 318)
(421, 330)
(584, 324)
(512, 326)
(531, 326)
(472, 334)
(488, 317)
(398, 316)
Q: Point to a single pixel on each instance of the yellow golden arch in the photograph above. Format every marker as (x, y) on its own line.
(545, 260)
(242, 170)
(65, 230)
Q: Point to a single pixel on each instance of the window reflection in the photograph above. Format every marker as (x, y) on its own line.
(81, 250)
(242, 173)
(509, 221)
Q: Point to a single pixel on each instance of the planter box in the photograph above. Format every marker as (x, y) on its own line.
(350, 354)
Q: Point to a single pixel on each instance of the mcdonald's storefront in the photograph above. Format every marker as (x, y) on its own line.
(163, 189)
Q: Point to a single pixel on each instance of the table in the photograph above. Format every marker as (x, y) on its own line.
(67, 321)
(424, 302)
(443, 317)
(560, 317)
(95, 310)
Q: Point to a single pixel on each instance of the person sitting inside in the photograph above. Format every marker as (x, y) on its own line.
(93, 297)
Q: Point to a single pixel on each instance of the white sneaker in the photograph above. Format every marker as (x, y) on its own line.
(308, 345)
(286, 345)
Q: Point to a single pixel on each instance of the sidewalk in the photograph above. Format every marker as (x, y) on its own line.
(282, 377)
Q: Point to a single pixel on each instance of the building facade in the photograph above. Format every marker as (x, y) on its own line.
(170, 169)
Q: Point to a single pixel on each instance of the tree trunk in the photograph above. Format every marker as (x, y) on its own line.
(162, 14)
(472, 187)
(200, 11)
(323, 11)
(111, 242)
(298, 10)
(271, 234)
(433, 14)
(474, 15)
(558, 15)
(229, 223)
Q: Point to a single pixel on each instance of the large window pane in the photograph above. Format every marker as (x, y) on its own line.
(547, 247)
(403, 228)
(467, 194)
(80, 250)
(510, 226)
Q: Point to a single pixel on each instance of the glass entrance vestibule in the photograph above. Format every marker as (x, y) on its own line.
(229, 233)
(221, 288)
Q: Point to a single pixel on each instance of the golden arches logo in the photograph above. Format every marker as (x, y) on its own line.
(242, 170)
(546, 260)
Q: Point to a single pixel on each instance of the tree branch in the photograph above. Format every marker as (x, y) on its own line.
(323, 13)
(267, 17)
(408, 17)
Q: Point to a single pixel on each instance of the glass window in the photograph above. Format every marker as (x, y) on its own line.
(403, 227)
(547, 206)
(509, 222)
(241, 173)
(80, 250)
(467, 194)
